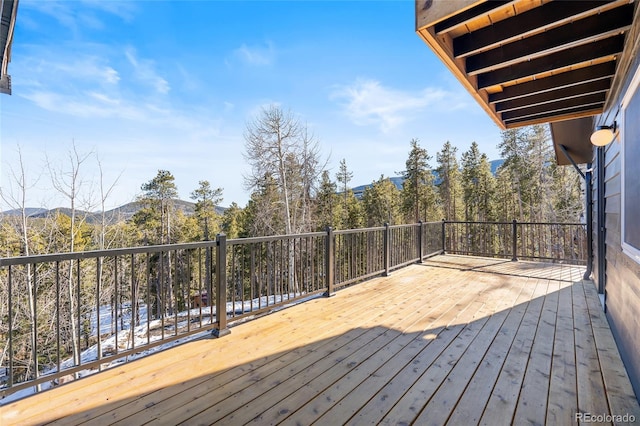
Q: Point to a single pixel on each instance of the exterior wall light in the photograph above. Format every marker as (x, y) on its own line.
(603, 135)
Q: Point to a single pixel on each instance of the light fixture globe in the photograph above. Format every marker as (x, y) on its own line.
(603, 135)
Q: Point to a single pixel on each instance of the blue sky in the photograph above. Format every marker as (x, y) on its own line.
(171, 85)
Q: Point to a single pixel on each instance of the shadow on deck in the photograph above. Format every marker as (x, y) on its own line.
(455, 340)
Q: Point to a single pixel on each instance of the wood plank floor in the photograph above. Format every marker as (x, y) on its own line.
(456, 340)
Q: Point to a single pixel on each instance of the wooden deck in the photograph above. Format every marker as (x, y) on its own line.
(456, 340)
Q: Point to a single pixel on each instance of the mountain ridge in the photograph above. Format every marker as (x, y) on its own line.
(123, 212)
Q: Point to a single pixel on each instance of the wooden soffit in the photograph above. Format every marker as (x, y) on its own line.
(529, 61)
(8, 11)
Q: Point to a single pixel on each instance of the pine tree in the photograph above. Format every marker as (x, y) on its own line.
(418, 193)
(263, 213)
(328, 207)
(155, 220)
(206, 199)
(449, 186)
(232, 221)
(355, 217)
(344, 176)
(515, 149)
(158, 199)
(381, 202)
(478, 185)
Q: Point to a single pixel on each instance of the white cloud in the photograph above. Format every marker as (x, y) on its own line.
(104, 98)
(85, 14)
(256, 55)
(87, 68)
(144, 70)
(121, 9)
(368, 102)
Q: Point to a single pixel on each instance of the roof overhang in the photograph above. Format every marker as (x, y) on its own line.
(8, 11)
(570, 136)
(529, 62)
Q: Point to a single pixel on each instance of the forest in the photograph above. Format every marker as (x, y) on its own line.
(293, 192)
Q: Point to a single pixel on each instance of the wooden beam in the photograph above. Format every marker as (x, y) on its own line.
(537, 20)
(555, 61)
(468, 15)
(558, 106)
(566, 79)
(580, 111)
(574, 91)
(554, 118)
(587, 30)
(429, 11)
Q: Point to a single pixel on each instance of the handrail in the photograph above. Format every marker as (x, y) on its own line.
(545, 241)
(115, 304)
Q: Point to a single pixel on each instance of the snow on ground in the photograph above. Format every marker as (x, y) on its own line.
(147, 333)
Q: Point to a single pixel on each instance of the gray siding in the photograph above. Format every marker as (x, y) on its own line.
(622, 274)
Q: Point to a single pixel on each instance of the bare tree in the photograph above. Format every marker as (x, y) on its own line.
(16, 198)
(279, 146)
(280, 149)
(67, 181)
(105, 192)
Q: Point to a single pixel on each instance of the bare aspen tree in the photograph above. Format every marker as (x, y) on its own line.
(278, 145)
(279, 149)
(16, 198)
(105, 192)
(67, 181)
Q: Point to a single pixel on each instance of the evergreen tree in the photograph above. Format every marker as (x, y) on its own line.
(328, 208)
(263, 214)
(381, 203)
(542, 159)
(506, 203)
(158, 199)
(567, 198)
(478, 185)
(515, 149)
(232, 221)
(355, 217)
(449, 186)
(418, 193)
(344, 176)
(206, 199)
(155, 220)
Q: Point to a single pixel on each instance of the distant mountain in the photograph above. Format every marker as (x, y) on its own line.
(495, 164)
(358, 191)
(124, 212)
(30, 211)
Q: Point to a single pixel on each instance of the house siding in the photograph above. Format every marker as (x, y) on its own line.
(622, 274)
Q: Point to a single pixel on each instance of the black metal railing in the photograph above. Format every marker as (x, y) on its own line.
(64, 316)
(552, 242)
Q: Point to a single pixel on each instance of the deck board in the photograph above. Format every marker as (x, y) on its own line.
(454, 340)
(562, 387)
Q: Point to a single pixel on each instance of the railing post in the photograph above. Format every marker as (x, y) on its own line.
(387, 249)
(329, 261)
(420, 243)
(514, 242)
(444, 244)
(221, 287)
